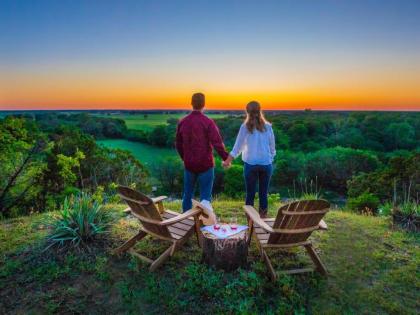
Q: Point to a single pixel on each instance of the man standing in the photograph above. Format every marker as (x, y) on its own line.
(196, 136)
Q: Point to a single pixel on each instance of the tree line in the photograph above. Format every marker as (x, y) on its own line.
(46, 156)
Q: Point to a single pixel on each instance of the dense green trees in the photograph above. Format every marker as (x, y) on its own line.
(334, 166)
(170, 174)
(331, 167)
(22, 162)
(98, 127)
(38, 169)
(398, 180)
(46, 156)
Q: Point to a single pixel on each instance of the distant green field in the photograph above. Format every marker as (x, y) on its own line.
(140, 122)
(145, 153)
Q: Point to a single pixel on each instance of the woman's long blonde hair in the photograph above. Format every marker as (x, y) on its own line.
(254, 117)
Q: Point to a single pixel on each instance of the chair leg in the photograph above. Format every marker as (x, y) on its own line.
(250, 230)
(161, 259)
(130, 243)
(181, 242)
(273, 274)
(198, 231)
(315, 258)
(259, 246)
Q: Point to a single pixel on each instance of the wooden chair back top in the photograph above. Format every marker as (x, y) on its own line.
(296, 221)
(143, 208)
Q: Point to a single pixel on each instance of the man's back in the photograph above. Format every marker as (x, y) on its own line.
(196, 136)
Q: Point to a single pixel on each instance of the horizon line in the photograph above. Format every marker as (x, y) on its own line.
(208, 110)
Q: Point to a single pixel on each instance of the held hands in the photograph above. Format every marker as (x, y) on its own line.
(228, 162)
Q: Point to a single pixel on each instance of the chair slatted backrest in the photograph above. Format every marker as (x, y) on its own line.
(297, 220)
(143, 207)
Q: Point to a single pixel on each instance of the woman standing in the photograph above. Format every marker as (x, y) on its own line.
(256, 142)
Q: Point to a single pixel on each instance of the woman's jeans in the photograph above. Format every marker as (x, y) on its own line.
(205, 181)
(262, 174)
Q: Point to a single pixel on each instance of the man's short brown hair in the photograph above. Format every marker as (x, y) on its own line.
(198, 101)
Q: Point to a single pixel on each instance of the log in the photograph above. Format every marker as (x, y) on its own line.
(228, 254)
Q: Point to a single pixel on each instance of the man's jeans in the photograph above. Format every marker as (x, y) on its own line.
(262, 174)
(205, 181)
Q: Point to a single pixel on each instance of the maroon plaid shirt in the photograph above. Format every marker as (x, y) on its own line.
(196, 136)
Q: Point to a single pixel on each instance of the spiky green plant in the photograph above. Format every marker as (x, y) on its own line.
(80, 220)
(409, 208)
(310, 196)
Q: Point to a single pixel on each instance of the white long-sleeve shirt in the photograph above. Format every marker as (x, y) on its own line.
(257, 148)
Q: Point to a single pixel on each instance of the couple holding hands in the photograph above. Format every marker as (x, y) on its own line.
(197, 135)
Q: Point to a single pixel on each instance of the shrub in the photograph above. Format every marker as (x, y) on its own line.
(234, 181)
(386, 209)
(274, 198)
(158, 136)
(365, 203)
(169, 172)
(407, 215)
(80, 221)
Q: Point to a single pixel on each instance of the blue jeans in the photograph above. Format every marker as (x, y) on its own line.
(262, 174)
(205, 181)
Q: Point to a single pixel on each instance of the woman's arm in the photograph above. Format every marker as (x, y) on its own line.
(237, 148)
(272, 142)
(239, 143)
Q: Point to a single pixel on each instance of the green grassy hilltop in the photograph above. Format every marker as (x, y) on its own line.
(374, 269)
(148, 154)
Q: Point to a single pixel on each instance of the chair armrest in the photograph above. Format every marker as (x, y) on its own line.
(180, 217)
(158, 199)
(322, 225)
(255, 217)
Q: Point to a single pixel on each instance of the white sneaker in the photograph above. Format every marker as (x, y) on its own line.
(211, 219)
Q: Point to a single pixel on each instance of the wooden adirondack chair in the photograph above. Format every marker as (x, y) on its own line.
(157, 222)
(292, 227)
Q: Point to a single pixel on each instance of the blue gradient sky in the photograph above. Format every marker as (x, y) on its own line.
(153, 54)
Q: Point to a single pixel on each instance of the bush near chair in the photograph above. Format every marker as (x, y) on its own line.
(366, 203)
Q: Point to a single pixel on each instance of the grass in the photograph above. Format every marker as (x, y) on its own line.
(373, 270)
(139, 122)
(145, 153)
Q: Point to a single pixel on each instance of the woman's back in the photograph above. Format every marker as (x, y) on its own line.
(257, 147)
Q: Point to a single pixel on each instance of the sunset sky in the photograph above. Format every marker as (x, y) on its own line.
(359, 55)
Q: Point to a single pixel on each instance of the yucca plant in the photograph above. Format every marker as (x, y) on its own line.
(80, 220)
(410, 208)
(407, 215)
(309, 190)
(310, 196)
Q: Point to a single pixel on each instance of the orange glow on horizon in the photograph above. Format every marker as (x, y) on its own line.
(128, 90)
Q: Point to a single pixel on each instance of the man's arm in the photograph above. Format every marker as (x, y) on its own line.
(179, 142)
(216, 141)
